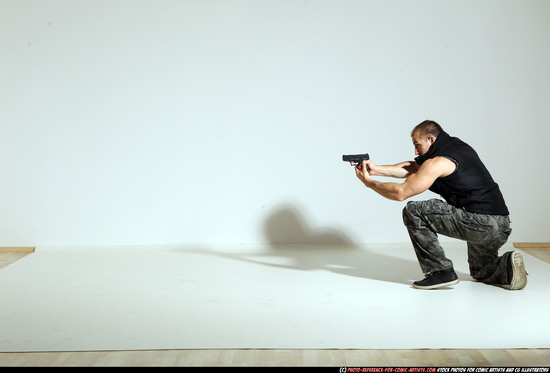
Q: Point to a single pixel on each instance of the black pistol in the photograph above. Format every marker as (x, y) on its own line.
(356, 159)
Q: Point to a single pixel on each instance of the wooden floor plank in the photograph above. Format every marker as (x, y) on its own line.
(28, 249)
(242, 358)
(9, 257)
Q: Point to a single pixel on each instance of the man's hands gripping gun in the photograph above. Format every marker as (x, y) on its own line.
(356, 159)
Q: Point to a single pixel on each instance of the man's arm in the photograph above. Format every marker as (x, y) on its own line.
(400, 171)
(415, 183)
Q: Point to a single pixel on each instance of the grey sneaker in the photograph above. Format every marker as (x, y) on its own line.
(437, 279)
(519, 276)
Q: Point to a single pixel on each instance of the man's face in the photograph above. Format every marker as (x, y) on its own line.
(421, 143)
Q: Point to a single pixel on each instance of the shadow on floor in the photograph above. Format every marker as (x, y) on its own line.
(293, 242)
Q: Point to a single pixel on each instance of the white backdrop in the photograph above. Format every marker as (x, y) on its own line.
(224, 121)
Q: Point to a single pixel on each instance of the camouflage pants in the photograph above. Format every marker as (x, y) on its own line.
(485, 234)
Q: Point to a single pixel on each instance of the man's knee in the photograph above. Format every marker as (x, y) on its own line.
(411, 214)
(416, 213)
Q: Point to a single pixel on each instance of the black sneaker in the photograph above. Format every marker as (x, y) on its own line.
(437, 279)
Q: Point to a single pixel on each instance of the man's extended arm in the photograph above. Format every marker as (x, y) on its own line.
(401, 170)
(416, 182)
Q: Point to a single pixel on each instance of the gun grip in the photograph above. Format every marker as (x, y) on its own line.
(358, 163)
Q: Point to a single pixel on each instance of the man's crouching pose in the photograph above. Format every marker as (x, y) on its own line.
(474, 210)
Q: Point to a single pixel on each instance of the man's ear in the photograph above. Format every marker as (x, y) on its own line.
(431, 139)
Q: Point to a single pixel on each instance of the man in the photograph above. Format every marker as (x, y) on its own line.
(474, 209)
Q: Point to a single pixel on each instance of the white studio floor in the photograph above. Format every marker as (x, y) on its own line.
(272, 297)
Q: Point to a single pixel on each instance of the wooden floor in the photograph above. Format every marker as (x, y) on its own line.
(349, 358)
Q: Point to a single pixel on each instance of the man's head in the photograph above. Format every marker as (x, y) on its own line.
(424, 135)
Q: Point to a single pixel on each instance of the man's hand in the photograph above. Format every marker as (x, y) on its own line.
(362, 173)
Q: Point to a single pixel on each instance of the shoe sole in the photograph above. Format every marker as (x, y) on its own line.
(519, 277)
(436, 286)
